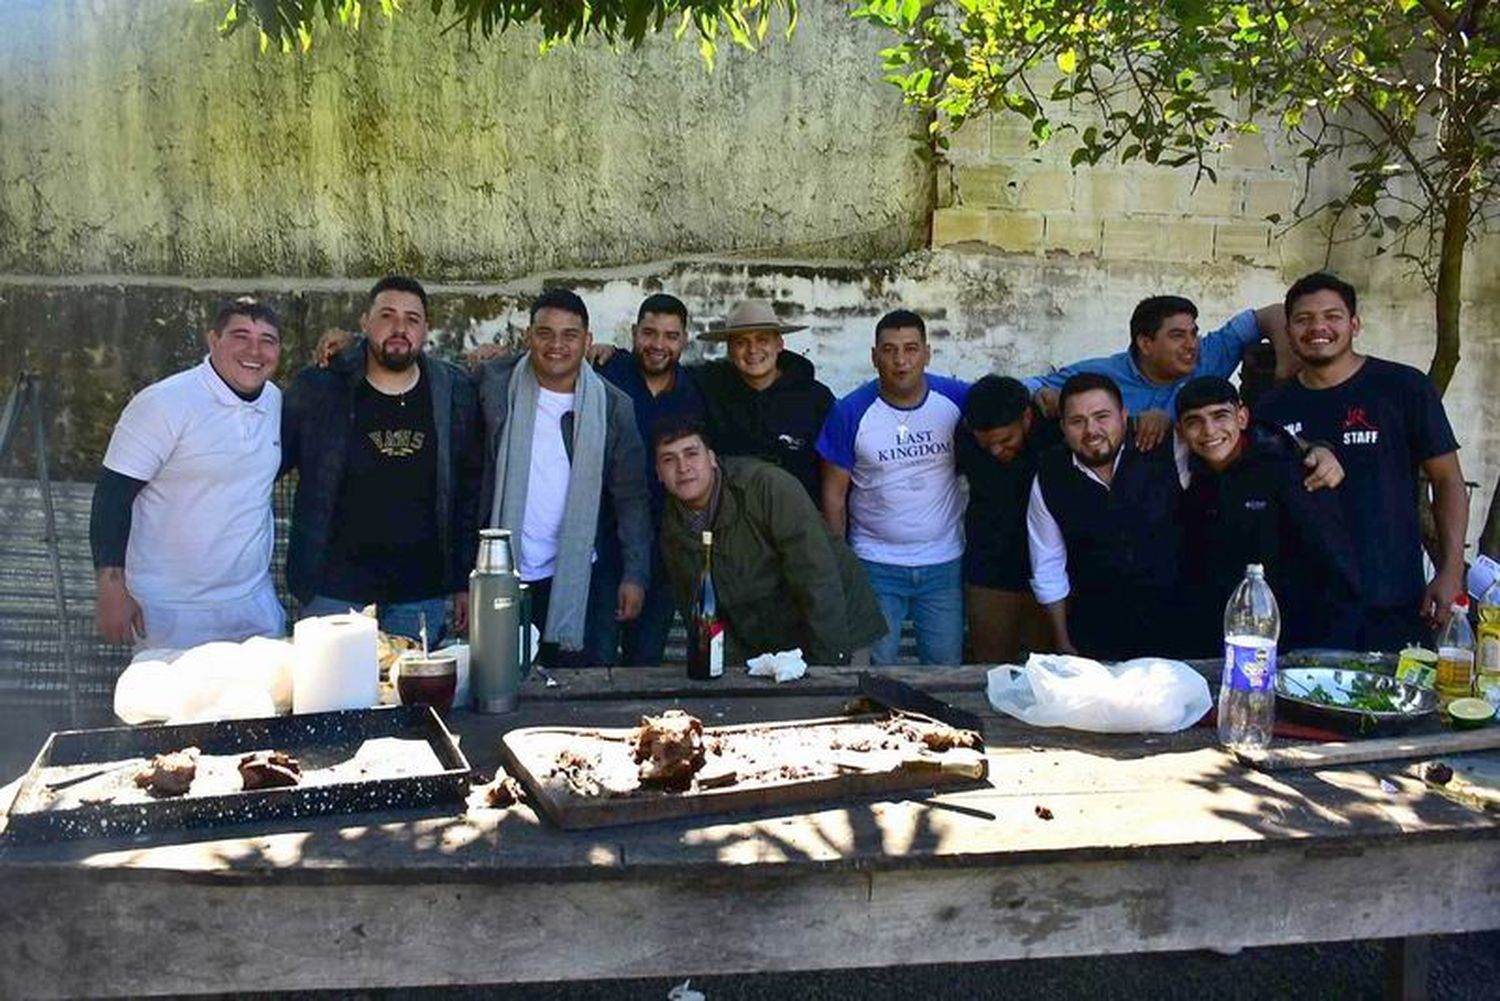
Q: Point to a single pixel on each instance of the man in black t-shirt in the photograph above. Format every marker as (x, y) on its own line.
(386, 444)
(1003, 433)
(1385, 422)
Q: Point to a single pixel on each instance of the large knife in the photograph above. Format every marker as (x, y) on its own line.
(899, 695)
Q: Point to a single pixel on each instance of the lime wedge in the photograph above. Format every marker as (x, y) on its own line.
(1469, 713)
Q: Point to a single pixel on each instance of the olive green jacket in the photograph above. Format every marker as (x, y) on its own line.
(783, 579)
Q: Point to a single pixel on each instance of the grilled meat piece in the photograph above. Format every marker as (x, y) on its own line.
(269, 770)
(169, 774)
(669, 749)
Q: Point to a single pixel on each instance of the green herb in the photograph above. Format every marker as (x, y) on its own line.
(1364, 697)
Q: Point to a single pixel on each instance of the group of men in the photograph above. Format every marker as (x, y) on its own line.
(1108, 508)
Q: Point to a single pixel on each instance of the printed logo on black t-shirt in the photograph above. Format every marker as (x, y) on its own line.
(398, 444)
(1359, 429)
(790, 442)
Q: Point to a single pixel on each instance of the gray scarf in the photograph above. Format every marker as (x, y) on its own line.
(568, 608)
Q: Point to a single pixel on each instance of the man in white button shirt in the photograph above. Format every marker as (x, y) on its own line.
(181, 527)
(563, 464)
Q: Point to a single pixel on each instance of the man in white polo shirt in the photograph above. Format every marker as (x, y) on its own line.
(890, 485)
(181, 525)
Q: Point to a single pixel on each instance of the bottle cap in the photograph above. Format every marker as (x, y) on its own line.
(1461, 601)
(708, 538)
(1255, 569)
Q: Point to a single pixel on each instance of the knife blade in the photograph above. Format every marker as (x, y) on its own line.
(899, 695)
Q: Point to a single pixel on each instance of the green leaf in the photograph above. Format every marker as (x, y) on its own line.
(1067, 61)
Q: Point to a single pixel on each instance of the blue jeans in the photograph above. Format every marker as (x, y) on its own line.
(641, 642)
(402, 618)
(933, 596)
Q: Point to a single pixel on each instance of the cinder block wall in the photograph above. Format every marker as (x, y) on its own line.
(999, 192)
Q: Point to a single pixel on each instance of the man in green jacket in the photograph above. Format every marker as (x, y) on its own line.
(783, 579)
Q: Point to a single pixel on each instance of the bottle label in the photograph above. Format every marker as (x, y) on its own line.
(716, 651)
(1489, 651)
(1249, 664)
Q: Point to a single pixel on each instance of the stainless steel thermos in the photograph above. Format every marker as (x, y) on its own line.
(499, 625)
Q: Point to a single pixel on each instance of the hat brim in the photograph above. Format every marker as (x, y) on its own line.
(720, 334)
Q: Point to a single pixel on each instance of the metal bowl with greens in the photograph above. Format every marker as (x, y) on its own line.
(1357, 702)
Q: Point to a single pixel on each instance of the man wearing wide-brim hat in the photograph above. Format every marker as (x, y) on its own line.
(764, 401)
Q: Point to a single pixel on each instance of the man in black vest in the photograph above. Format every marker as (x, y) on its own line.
(1104, 531)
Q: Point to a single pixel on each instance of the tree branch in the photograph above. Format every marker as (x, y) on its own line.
(1439, 13)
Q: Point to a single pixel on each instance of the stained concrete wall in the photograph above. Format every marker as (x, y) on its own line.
(136, 141)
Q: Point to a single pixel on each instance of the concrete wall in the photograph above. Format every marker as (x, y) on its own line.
(136, 141)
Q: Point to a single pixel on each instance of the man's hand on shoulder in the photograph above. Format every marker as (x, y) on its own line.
(119, 615)
(1151, 427)
(477, 356)
(600, 354)
(1046, 401)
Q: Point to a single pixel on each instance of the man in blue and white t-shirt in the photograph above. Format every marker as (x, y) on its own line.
(890, 486)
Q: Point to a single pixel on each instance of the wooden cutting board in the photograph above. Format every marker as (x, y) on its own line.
(774, 765)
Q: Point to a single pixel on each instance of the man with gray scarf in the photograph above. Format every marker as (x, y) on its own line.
(564, 463)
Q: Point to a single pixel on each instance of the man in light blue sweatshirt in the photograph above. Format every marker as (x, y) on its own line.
(1165, 352)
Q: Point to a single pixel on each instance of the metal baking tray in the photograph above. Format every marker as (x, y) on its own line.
(353, 761)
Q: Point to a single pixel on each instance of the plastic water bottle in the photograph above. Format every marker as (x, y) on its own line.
(1247, 699)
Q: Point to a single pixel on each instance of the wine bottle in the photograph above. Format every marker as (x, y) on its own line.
(705, 654)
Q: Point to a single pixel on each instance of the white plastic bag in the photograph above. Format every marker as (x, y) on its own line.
(1145, 695)
(207, 682)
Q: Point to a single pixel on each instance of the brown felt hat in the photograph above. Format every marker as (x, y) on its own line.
(747, 316)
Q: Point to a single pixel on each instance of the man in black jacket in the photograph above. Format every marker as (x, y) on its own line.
(764, 401)
(385, 441)
(1246, 503)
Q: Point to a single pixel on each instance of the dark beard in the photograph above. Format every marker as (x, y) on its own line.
(397, 363)
(1102, 463)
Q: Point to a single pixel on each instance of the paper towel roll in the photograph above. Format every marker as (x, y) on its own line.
(335, 665)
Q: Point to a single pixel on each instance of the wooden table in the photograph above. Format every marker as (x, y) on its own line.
(1153, 843)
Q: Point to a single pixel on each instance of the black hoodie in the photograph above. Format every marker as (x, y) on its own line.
(779, 424)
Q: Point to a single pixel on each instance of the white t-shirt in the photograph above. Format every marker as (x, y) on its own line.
(905, 503)
(201, 530)
(546, 488)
